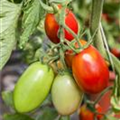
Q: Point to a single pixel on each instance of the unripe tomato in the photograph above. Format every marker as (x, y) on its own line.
(66, 95)
(33, 87)
(86, 114)
(52, 26)
(90, 70)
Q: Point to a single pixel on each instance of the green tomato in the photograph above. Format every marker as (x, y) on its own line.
(33, 87)
(66, 95)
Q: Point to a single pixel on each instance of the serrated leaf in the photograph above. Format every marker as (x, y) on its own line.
(16, 116)
(33, 13)
(9, 13)
(48, 114)
(7, 97)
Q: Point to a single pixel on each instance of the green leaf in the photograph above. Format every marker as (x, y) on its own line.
(48, 113)
(33, 14)
(109, 117)
(7, 97)
(60, 1)
(115, 102)
(16, 116)
(9, 13)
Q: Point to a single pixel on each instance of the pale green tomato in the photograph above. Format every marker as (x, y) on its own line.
(66, 95)
(33, 87)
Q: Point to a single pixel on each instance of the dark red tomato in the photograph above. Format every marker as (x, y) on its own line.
(90, 70)
(86, 114)
(52, 26)
(116, 52)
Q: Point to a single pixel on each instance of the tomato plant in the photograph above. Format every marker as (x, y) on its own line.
(66, 95)
(33, 87)
(52, 26)
(90, 70)
(49, 35)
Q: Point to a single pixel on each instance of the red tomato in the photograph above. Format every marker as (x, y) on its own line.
(86, 114)
(52, 26)
(90, 70)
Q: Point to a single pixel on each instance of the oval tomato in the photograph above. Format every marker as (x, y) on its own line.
(90, 70)
(52, 26)
(33, 87)
(86, 114)
(66, 95)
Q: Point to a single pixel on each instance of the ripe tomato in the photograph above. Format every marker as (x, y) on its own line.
(66, 95)
(86, 114)
(52, 26)
(90, 70)
(33, 87)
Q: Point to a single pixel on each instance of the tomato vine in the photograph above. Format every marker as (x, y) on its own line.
(68, 84)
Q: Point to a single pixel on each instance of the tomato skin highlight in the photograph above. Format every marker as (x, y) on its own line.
(90, 70)
(86, 114)
(66, 95)
(32, 87)
(52, 26)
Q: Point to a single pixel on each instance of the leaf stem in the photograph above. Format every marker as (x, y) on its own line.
(102, 93)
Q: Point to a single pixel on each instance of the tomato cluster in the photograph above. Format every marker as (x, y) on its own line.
(88, 67)
(52, 26)
(86, 114)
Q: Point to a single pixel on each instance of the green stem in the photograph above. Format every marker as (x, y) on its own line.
(61, 31)
(70, 46)
(107, 48)
(52, 59)
(101, 94)
(58, 117)
(90, 40)
(62, 24)
(74, 35)
(97, 6)
(48, 8)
